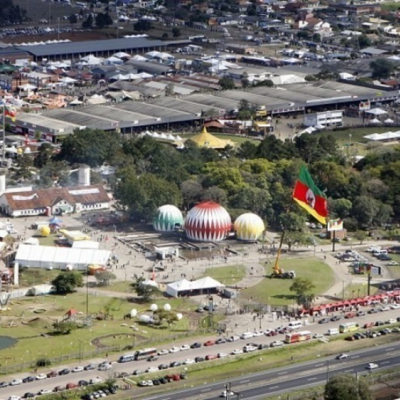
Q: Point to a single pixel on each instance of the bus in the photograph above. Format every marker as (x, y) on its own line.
(126, 358)
(296, 337)
(348, 327)
(145, 353)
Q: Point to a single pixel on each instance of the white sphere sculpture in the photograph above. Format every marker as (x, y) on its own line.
(145, 318)
(154, 307)
(133, 313)
(167, 307)
(179, 316)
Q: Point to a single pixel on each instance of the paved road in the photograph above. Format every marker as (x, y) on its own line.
(227, 348)
(280, 380)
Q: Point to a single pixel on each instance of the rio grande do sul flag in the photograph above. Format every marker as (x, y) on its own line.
(308, 196)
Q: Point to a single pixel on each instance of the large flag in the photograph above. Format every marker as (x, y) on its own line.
(308, 196)
(10, 113)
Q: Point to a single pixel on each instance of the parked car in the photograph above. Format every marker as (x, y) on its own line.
(16, 382)
(324, 321)
(89, 367)
(64, 371)
(77, 369)
(196, 345)
(52, 374)
(199, 359)
(41, 377)
(209, 343)
(220, 341)
(163, 366)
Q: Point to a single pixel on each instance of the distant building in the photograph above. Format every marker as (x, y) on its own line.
(323, 119)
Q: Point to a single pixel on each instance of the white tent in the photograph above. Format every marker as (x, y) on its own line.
(200, 286)
(91, 60)
(144, 75)
(121, 54)
(97, 99)
(375, 121)
(112, 60)
(153, 53)
(389, 121)
(67, 79)
(383, 136)
(60, 257)
(119, 77)
(138, 57)
(376, 111)
(27, 87)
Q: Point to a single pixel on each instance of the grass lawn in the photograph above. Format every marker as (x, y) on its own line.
(36, 276)
(30, 321)
(122, 287)
(395, 269)
(229, 275)
(355, 290)
(357, 134)
(276, 291)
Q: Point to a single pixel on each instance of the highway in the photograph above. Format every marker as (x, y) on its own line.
(277, 379)
(257, 386)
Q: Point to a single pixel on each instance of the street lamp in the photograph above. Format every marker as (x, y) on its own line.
(327, 370)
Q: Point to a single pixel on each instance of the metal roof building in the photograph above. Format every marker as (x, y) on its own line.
(102, 48)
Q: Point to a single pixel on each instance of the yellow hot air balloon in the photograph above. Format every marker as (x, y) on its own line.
(249, 227)
(45, 231)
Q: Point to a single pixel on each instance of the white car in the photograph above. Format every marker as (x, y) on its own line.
(93, 381)
(249, 348)
(44, 391)
(189, 361)
(233, 338)
(152, 369)
(237, 351)
(14, 398)
(394, 306)
(162, 352)
(185, 347)
(318, 336)
(392, 263)
(79, 368)
(149, 382)
(247, 335)
(386, 308)
(15, 382)
(174, 349)
(372, 366)
(41, 376)
(277, 343)
(222, 355)
(258, 333)
(342, 356)
(225, 394)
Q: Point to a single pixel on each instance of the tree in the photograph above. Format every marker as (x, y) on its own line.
(88, 23)
(245, 80)
(363, 41)
(23, 168)
(73, 19)
(90, 146)
(360, 235)
(191, 192)
(381, 68)
(365, 210)
(164, 315)
(176, 32)
(103, 278)
(226, 83)
(142, 25)
(146, 292)
(67, 282)
(292, 221)
(295, 238)
(347, 387)
(103, 20)
(304, 289)
(64, 327)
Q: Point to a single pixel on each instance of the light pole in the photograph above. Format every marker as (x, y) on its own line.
(58, 28)
(327, 370)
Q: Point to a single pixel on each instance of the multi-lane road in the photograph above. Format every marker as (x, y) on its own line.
(270, 381)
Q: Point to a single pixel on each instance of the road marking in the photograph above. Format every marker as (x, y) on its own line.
(355, 357)
(247, 380)
(348, 370)
(391, 349)
(282, 373)
(319, 365)
(205, 390)
(274, 387)
(312, 379)
(385, 362)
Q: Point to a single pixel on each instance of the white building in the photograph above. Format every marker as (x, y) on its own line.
(323, 119)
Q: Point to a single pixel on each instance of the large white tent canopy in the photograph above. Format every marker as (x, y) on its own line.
(376, 111)
(59, 257)
(383, 136)
(175, 289)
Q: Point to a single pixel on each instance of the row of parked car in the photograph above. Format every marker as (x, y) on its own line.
(160, 381)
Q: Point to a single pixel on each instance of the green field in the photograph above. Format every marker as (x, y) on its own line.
(355, 290)
(30, 321)
(229, 275)
(357, 134)
(276, 291)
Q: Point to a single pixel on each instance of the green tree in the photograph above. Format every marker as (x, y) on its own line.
(295, 238)
(347, 387)
(88, 22)
(64, 327)
(247, 150)
(291, 221)
(142, 26)
(340, 208)
(54, 172)
(146, 292)
(363, 41)
(360, 235)
(176, 32)
(103, 20)
(164, 315)
(67, 282)
(381, 68)
(73, 19)
(169, 90)
(304, 290)
(23, 168)
(365, 210)
(104, 278)
(90, 146)
(226, 83)
(191, 193)
(44, 155)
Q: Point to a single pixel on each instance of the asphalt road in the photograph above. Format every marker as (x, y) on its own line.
(257, 386)
(227, 348)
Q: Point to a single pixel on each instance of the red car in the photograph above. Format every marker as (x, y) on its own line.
(369, 324)
(350, 315)
(209, 343)
(211, 357)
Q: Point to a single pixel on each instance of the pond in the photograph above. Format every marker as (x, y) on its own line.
(6, 341)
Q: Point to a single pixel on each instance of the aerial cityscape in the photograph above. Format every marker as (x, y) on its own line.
(199, 200)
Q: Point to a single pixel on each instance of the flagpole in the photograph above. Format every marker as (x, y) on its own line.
(4, 133)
